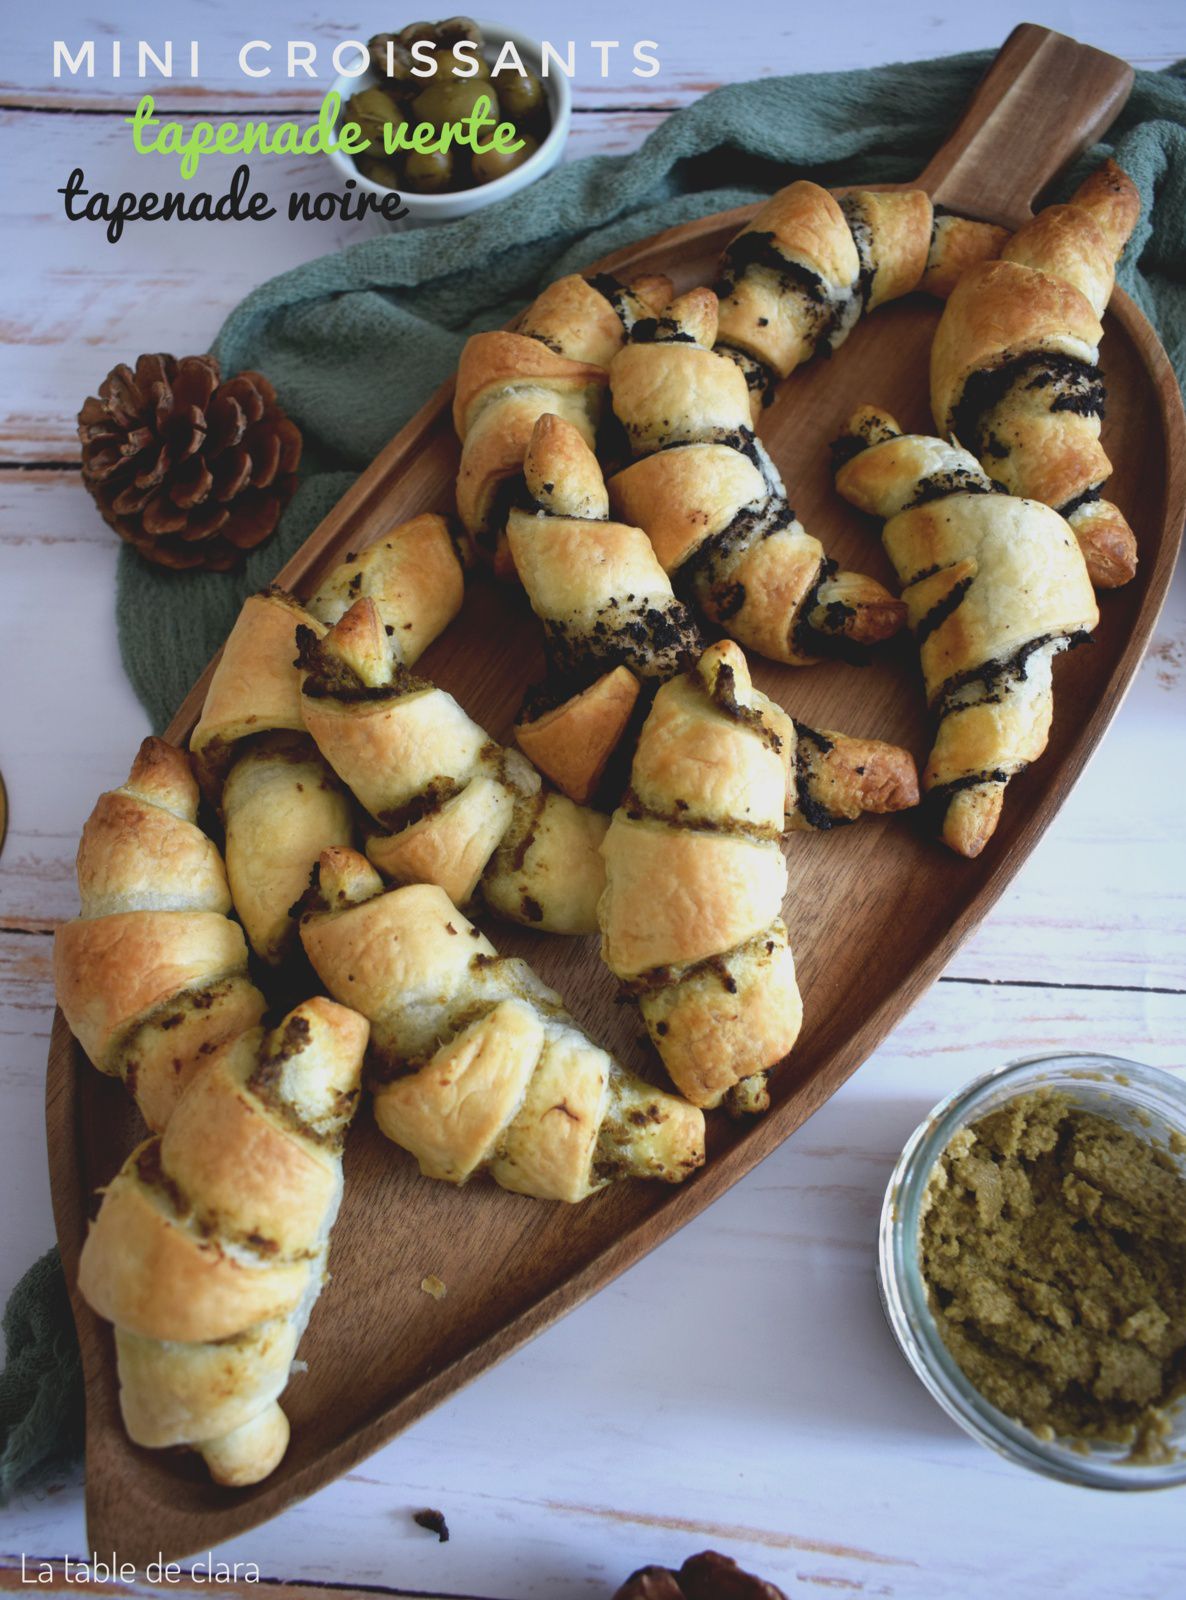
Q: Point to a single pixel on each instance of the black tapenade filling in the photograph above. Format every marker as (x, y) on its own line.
(959, 480)
(757, 249)
(1073, 385)
(659, 330)
(809, 743)
(941, 610)
(1086, 498)
(808, 640)
(862, 237)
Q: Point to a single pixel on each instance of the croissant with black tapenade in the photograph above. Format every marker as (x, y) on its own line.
(996, 587)
(1014, 364)
(713, 505)
(609, 615)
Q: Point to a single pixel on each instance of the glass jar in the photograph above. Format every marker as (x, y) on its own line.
(1151, 1104)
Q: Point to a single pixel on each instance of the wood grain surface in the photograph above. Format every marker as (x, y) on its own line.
(874, 912)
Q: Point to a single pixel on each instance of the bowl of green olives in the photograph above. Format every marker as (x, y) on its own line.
(486, 83)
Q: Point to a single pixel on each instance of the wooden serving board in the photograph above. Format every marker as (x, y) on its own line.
(875, 911)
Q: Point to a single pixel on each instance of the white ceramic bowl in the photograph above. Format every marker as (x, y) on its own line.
(424, 208)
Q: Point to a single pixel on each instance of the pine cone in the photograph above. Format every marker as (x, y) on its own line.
(191, 471)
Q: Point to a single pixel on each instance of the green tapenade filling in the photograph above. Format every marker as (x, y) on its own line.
(1053, 1247)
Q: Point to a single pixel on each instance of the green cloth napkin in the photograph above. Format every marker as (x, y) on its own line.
(356, 342)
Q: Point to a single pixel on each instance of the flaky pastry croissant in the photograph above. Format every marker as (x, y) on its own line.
(474, 1063)
(458, 809)
(554, 361)
(280, 803)
(996, 587)
(1013, 365)
(800, 274)
(152, 974)
(713, 505)
(210, 1245)
(609, 615)
(695, 876)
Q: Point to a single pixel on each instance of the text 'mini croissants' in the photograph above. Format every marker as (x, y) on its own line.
(457, 808)
(554, 360)
(210, 1245)
(152, 974)
(609, 615)
(799, 275)
(711, 501)
(1013, 365)
(475, 1064)
(996, 587)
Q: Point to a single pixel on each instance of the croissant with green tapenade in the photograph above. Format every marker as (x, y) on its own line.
(457, 808)
(152, 974)
(474, 1063)
(691, 917)
(210, 1245)
(996, 587)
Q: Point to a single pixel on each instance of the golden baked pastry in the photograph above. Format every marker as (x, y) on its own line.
(152, 974)
(210, 1245)
(458, 809)
(713, 505)
(996, 587)
(280, 803)
(1013, 365)
(691, 917)
(801, 273)
(554, 361)
(474, 1063)
(609, 615)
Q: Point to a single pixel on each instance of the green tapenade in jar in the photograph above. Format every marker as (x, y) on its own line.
(1053, 1247)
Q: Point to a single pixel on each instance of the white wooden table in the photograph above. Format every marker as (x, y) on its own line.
(737, 1389)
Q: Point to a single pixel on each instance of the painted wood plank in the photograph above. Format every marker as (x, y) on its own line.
(696, 46)
(737, 1389)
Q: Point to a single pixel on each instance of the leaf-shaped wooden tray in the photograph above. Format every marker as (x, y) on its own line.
(875, 911)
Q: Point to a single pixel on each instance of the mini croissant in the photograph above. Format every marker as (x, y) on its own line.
(610, 617)
(210, 1245)
(799, 275)
(152, 974)
(459, 810)
(691, 917)
(996, 587)
(695, 876)
(554, 361)
(714, 507)
(475, 1064)
(281, 804)
(1013, 365)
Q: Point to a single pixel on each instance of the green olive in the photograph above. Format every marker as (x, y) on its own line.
(384, 172)
(462, 67)
(399, 81)
(521, 94)
(453, 100)
(491, 164)
(371, 109)
(428, 172)
(454, 29)
(416, 31)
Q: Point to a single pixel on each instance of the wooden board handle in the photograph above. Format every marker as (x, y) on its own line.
(1041, 103)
